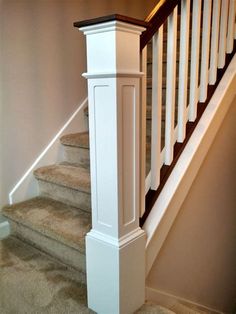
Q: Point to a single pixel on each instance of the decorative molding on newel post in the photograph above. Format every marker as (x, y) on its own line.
(115, 247)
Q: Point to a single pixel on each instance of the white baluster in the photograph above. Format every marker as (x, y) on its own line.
(156, 108)
(183, 69)
(235, 20)
(214, 41)
(205, 50)
(170, 86)
(195, 46)
(231, 24)
(143, 130)
(223, 32)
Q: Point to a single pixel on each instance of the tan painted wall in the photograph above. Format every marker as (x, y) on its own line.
(198, 259)
(42, 58)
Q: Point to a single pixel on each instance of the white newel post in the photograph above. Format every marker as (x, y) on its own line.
(115, 247)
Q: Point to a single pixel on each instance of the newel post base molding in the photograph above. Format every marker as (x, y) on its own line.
(115, 247)
(115, 273)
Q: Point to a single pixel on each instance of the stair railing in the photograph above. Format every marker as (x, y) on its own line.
(116, 61)
(206, 33)
(154, 32)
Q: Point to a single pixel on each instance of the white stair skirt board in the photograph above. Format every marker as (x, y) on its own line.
(173, 302)
(4, 228)
(27, 186)
(177, 186)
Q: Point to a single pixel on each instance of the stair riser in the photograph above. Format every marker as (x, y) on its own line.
(164, 56)
(63, 253)
(66, 195)
(149, 84)
(164, 71)
(149, 71)
(163, 112)
(149, 127)
(149, 96)
(77, 156)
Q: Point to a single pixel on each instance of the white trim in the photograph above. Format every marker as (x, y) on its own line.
(148, 182)
(44, 152)
(116, 242)
(143, 122)
(162, 159)
(121, 242)
(4, 228)
(165, 299)
(112, 74)
(177, 186)
(112, 26)
(157, 64)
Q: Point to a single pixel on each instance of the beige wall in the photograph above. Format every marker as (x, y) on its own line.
(198, 259)
(42, 58)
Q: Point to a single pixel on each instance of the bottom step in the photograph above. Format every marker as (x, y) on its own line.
(53, 227)
(30, 282)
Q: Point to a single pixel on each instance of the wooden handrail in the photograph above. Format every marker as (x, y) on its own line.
(155, 10)
(156, 18)
(152, 23)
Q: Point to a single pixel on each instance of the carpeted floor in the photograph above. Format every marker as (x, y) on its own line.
(32, 283)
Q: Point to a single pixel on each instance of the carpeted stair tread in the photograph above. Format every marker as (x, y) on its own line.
(46, 286)
(77, 178)
(31, 282)
(76, 139)
(66, 163)
(53, 219)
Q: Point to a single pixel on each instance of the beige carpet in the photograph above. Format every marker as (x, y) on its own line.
(31, 283)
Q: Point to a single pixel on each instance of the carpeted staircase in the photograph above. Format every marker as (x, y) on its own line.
(42, 263)
(57, 221)
(33, 283)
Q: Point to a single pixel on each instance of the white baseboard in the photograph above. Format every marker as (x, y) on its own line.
(27, 186)
(173, 303)
(178, 184)
(4, 228)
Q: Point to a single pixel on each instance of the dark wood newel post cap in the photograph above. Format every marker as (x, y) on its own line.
(110, 18)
